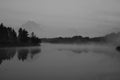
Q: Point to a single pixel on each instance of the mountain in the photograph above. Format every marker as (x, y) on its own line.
(32, 26)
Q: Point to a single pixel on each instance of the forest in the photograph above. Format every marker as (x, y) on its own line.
(8, 37)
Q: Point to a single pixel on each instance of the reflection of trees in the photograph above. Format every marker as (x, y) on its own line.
(23, 53)
(6, 54)
(34, 52)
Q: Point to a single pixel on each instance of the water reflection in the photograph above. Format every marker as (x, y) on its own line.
(33, 52)
(75, 51)
(89, 63)
(106, 50)
(6, 54)
(22, 53)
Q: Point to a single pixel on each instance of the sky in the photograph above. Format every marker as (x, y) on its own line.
(64, 17)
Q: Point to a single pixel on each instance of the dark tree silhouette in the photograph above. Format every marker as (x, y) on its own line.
(12, 36)
(34, 39)
(8, 37)
(23, 35)
(3, 34)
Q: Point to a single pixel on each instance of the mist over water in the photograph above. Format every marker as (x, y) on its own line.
(92, 25)
(61, 62)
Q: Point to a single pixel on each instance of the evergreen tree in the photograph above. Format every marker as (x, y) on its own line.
(8, 37)
(23, 35)
(12, 35)
(3, 34)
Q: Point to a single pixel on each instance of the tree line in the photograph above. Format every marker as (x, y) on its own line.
(8, 37)
(75, 39)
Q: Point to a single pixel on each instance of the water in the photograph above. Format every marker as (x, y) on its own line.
(60, 62)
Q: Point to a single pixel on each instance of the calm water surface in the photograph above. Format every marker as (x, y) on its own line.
(60, 62)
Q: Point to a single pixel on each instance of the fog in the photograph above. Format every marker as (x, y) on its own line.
(64, 61)
(107, 49)
(64, 17)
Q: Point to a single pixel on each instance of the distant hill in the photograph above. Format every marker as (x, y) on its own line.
(32, 26)
(113, 38)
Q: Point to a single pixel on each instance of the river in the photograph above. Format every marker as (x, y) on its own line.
(60, 62)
